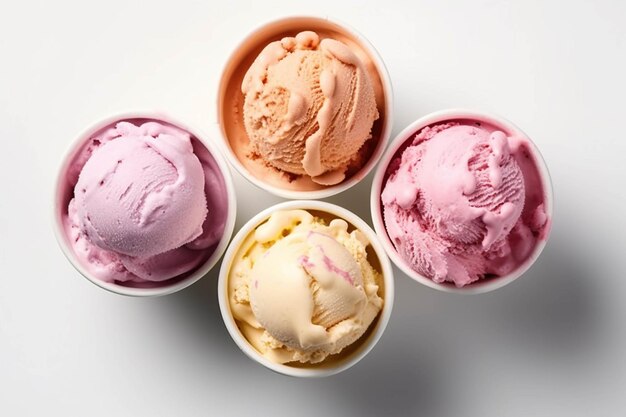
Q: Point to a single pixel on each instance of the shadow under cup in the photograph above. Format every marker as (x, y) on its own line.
(230, 102)
(67, 178)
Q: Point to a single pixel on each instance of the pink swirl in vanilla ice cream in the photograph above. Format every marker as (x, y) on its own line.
(149, 203)
(464, 201)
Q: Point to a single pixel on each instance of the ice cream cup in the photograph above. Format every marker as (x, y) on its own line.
(351, 354)
(400, 142)
(230, 105)
(63, 192)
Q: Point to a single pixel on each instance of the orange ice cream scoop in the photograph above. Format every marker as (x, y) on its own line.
(309, 107)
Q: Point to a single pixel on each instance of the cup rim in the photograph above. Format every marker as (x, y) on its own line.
(59, 230)
(406, 134)
(383, 317)
(328, 191)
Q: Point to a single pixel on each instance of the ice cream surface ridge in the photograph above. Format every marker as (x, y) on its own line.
(301, 289)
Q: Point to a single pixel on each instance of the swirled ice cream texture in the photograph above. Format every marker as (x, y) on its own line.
(309, 107)
(147, 204)
(464, 201)
(301, 290)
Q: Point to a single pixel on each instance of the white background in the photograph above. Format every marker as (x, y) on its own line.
(550, 344)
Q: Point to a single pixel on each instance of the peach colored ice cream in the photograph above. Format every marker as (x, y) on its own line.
(309, 107)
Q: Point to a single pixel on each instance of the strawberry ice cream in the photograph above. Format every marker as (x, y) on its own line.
(463, 201)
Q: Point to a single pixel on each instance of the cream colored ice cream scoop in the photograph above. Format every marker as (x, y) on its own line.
(302, 288)
(304, 284)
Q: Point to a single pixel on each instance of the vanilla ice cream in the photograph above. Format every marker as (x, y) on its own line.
(301, 289)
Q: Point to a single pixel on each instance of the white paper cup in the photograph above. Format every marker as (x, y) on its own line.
(394, 151)
(334, 363)
(64, 191)
(230, 105)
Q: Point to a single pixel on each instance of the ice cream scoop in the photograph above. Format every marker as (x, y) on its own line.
(141, 193)
(302, 289)
(463, 200)
(303, 285)
(145, 203)
(309, 106)
(304, 107)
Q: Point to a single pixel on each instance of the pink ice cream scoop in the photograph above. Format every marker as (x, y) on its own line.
(148, 203)
(455, 204)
